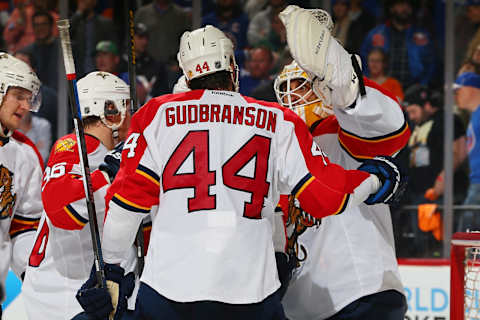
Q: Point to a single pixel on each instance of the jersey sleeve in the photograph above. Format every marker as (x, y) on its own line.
(63, 194)
(304, 170)
(374, 126)
(133, 193)
(29, 210)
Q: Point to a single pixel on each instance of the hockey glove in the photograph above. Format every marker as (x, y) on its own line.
(285, 266)
(110, 302)
(392, 177)
(111, 162)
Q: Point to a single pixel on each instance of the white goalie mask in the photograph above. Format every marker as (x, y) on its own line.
(103, 94)
(205, 51)
(293, 90)
(16, 73)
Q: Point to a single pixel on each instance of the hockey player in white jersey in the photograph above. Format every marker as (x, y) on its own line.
(349, 269)
(62, 257)
(21, 167)
(209, 165)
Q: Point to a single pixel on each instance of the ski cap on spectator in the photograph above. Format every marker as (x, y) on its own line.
(106, 46)
(417, 94)
(141, 29)
(467, 79)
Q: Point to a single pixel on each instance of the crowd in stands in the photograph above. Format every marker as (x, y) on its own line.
(400, 42)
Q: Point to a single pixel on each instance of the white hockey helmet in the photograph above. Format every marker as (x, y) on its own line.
(103, 94)
(301, 99)
(205, 51)
(16, 73)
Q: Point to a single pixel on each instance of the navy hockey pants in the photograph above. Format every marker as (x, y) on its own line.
(386, 305)
(151, 305)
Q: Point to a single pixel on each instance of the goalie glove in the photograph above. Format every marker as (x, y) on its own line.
(392, 177)
(327, 63)
(106, 303)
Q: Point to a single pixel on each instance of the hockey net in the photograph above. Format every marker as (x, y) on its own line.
(465, 276)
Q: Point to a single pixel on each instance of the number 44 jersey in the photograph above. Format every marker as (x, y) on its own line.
(210, 166)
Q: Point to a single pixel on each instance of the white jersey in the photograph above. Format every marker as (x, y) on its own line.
(353, 254)
(21, 169)
(209, 166)
(62, 257)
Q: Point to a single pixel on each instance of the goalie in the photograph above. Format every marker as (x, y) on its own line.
(349, 269)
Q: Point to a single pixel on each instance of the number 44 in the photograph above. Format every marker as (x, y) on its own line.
(202, 178)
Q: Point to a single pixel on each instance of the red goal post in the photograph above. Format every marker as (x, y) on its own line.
(465, 276)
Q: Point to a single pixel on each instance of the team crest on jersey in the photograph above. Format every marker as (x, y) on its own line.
(297, 223)
(65, 145)
(7, 197)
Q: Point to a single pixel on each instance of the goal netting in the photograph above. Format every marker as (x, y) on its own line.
(465, 276)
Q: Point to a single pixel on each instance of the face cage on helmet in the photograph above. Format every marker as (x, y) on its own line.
(119, 107)
(300, 100)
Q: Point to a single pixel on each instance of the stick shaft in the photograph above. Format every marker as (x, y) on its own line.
(132, 77)
(63, 27)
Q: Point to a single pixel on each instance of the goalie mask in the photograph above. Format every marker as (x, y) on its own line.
(16, 73)
(103, 94)
(293, 89)
(205, 51)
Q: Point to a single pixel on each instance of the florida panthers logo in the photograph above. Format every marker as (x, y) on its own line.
(65, 145)
(297, 223)
(7, 197)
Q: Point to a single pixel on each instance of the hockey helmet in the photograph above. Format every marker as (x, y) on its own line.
(16, 73)
(205, 51)
(301, 98)
(103, 94)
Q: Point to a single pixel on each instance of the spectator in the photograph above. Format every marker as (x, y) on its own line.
(45, 50)
(425, 110)
(207, 5)
(19, 30)
(426, 149)
(261, 24)
(48, 108)
(149, 72)
(467, 95)
(167, 22)
(472, 62)
(6, 6)
(467, 22)
(361, 23)
(252, 7)
(377, 61)
(258, 66)
(107, 58)
(88, 29)
(230, 18)
(341, 18)
(39, 131)
(410, 49)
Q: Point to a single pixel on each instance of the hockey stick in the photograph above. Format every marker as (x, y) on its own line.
(132, 77)
(64, 31)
